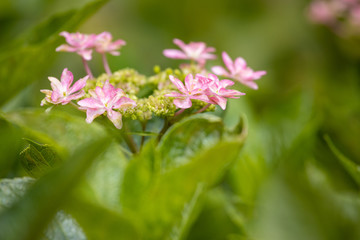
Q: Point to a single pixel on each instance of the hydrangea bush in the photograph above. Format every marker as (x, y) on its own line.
(171, 94)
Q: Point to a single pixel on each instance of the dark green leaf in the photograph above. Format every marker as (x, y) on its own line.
(27, 63)
(38, 158)
(184, 139)
(351, 167)
(27, 218)
(63, 226)
(10, 143)
(102, 223)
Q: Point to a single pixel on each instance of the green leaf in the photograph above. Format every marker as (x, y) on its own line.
(184, 139)
(104, 178)
(168, 205)
(351, 167)
(109, 224)
(59, 129)
(63, 226)
(27, 218)
(38, 158)
(34, 56)
(10, 142)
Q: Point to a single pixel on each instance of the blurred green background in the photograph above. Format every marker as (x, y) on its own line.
(298, 175)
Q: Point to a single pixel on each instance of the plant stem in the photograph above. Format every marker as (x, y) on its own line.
(129, 140)
(204, 108)
(143, 125)
(106, 64)
(87, 68)
(166, 126)
(179, 112)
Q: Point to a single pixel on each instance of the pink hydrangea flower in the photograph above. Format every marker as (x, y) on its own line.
(218, 93)
(106, 99)
(79, 43)
(207, 89)
(196, 51)
(103, 44)
(193, 89)
(61, 90)
(239, 71)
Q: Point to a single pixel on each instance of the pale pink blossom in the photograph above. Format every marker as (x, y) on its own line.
(80, 43)
(322, 12)
(218, 93)
(193, 89)
(61, 92)
(104, 44)
(238, 70)
(106, 99)
(196, 51)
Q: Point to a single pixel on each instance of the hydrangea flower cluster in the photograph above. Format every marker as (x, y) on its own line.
(342, 16)
(167, 94)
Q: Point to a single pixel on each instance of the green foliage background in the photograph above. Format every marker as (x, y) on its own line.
(288, 170)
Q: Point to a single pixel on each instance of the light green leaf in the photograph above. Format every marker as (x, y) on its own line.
(168, 205)
(60, 129)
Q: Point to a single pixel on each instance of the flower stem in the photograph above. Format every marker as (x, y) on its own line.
(87, 68)
(166, 126)
(179, 112)
(143, 126)
(204, 108)
(106, 65)
(129, 140)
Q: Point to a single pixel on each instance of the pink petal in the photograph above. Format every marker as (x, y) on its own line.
(115, 118)
(173, 53)
(65, 48)
(92, 113)
(230, 93)
(55, 97)
(119, 43)
(75, 95)
(86, 54)
(175, 94)
(55, 84)
(178, 84)
(240, 64)
(100, 94)
(124, 102)
(228, 62)
(220, 101)
(210, 49)
(202, 97)
(109, 91)
(258, 74)
(183, 103)
(189, 82)
(180, 44)
(250, 84)
(90, 103)
(208, 56)
(115, 53)
(81, 83)
(66, 79)
(225, 83)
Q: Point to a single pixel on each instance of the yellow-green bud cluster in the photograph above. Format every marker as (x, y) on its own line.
(148, 92)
